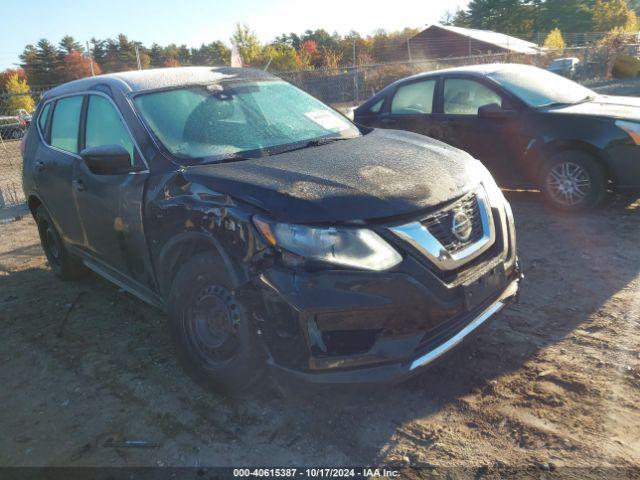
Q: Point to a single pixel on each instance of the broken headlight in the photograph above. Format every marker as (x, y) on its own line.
(358, 248)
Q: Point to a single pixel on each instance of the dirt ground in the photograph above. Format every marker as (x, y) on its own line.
(554, 382)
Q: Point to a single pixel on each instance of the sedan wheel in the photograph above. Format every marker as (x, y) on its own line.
(568, 183)
(573, 181)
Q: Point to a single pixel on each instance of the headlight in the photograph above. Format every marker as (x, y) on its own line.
(347, 247)
(632, 129)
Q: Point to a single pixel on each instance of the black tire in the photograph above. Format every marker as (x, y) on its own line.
(212, 330)
(63, 264)
(573, 181)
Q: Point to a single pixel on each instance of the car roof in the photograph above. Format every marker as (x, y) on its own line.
(472, 70)
(158, 78)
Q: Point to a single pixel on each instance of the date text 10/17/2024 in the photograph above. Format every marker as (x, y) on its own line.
(362, 472)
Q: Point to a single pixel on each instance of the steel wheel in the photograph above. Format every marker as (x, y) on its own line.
(568, 183)
(211, 326)
(50, 242)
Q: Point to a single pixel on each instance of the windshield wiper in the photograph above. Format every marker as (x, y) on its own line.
(316, 142)
(235, 157)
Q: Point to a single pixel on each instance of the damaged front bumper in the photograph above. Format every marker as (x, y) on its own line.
(343, 326)
(384, 328)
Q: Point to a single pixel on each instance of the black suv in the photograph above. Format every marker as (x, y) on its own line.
(270, 228)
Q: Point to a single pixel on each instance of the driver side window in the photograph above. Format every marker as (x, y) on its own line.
(104, 127)
(465, 97)
(414, 98)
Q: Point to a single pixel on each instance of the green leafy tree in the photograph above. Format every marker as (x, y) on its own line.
(555, 40)
(282, 58)
(459, 18)
(610, 14)
(248, 44)
(571, 16)
(214, 53)
(513, 17)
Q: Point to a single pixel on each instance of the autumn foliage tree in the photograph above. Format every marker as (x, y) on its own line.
(19, 95)
(77, 65)
(554, 40)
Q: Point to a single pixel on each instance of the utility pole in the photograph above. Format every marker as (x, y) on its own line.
(409, 49)
(93, 74)
(356, 94)
(138, 58)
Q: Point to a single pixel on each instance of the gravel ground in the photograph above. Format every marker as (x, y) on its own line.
(554, 382)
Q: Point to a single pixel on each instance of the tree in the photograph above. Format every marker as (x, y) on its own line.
(42, 63)
(554, 40)
(457, 19)
(4, 76)
(610, 14)
(214, 53)
(571, 16)
(68, 45)
(282, 57)
(616, 42)
(19, 94)
(248, 44)
(76, 66)
(513, 17)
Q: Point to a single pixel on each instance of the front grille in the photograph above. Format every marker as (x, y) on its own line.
(440, 225)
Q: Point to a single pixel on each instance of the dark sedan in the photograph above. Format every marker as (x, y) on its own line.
(530, 127)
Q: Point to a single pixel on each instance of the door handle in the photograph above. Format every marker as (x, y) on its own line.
(79, 185)
(40, 166)
(387, 120)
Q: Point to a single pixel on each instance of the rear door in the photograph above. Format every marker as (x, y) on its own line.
(110, 206)
(411, 108)
(52, 168)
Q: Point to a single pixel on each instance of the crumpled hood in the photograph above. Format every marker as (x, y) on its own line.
(382, 174)
(627, 108)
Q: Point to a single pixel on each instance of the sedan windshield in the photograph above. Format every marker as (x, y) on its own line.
(540, 88)
(232, 119)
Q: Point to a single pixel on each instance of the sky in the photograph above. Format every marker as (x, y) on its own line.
(193, 22)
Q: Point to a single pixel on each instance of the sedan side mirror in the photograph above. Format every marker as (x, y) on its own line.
(107, 159)
(493, 110)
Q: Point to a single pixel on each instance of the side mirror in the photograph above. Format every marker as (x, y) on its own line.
(493, 110)
(107, 159)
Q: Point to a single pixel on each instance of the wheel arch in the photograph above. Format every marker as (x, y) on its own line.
(541, 154)
(184, 246)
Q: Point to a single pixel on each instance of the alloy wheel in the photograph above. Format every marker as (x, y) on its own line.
(568, 183)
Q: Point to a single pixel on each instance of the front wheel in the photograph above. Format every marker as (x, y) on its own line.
(212, 330)
(573, 181)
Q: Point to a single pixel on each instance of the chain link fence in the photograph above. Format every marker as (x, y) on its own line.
(15, 118)
(342, 87)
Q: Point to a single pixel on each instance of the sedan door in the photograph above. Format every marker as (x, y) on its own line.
(411, 108)
(110, 206)
(497, 140)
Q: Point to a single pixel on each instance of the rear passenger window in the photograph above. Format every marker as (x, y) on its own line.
(66, 123)
(42, 120)
(414, 98)
(105, 127)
